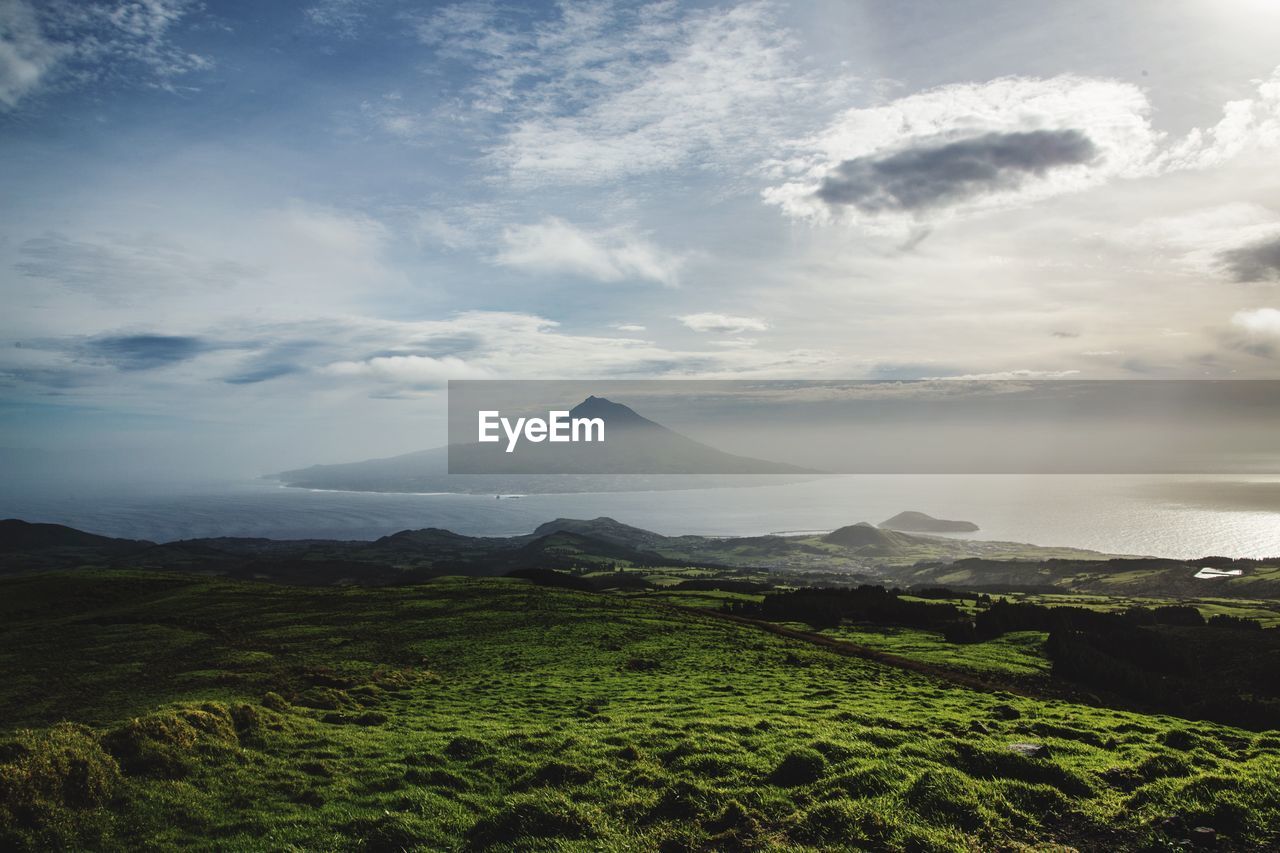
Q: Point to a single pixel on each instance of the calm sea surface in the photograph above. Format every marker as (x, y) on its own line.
(1174, 516)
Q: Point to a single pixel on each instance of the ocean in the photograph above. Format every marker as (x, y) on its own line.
(1166, 516)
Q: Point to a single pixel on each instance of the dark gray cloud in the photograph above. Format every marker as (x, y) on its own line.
(935, 175)
(278, 361)
(263, 372)
(914, 239)
(84, 266)
(145, 352)
(1140, 365)
(47, 377)
(458, 345)
(266, 360)
(1259, 347)
(1255, 262)
(674, 365)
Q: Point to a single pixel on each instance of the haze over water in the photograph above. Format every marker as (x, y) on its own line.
(1167, 516)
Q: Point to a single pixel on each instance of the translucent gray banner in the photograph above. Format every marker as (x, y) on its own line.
(800, 428)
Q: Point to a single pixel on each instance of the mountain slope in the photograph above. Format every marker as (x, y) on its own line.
(28, 546)
(408, 472)
(632, 444)
(871, 540)
(603, 529)
(18, 535)
(634, 447)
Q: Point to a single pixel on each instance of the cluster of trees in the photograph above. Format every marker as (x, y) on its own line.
(941, 592)
(1168, 659)
(1220, 671)
(1004, 616)
(1238, 623)
(723, 585)
(826, 608)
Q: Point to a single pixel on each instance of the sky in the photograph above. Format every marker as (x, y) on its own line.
(241, 237)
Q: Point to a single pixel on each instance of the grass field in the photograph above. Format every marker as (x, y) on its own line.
(1019, 654)
(164, 712)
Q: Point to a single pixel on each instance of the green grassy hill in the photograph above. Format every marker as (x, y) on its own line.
(147, 711)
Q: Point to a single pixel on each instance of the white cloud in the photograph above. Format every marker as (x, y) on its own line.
(416, 371)
(269, 264)
(1005, 375)
(391, 115)
(1218, 227)
(602, 92)
(26, 55)
(335, 361)
(1246, 124)
(339, 232)
(510, 345)
(344, 17)
(70, 43)
(1198, 241)
(431, 226)
(1255, 332)
(722, 323)
(629, 327)
(119, 270)
(1260, 322)
(324, 258)
(554, 246)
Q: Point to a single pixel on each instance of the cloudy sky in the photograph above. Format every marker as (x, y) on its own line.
(243, 236)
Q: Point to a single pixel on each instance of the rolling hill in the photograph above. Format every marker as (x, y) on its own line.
(856, 553)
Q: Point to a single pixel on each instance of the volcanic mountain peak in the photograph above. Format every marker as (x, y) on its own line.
(614, 414)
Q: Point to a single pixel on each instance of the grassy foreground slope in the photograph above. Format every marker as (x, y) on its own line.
(157, 711)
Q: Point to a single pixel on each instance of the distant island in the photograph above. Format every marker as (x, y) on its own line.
(639, 455)
(918, 522)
